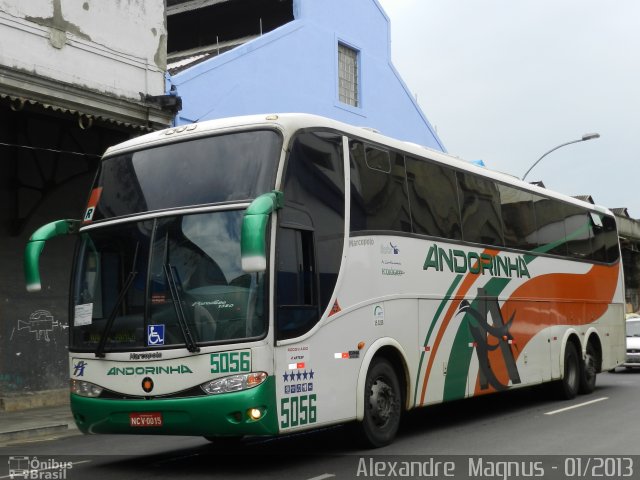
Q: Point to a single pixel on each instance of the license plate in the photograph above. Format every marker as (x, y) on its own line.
(146, 419)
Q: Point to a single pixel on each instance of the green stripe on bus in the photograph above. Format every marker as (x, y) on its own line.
(455, 385)
(434, 321)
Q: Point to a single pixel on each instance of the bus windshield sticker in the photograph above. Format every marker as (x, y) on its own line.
(155, 335)
(83, 314)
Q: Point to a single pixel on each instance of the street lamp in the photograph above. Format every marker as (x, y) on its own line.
(585, 137)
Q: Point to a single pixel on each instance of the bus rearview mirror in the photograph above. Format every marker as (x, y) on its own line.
(35, 245)
(254, 230)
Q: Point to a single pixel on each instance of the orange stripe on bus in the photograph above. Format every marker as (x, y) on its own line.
(573, 299)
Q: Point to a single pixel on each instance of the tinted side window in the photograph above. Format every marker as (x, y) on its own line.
(518, 218)
(610, 238)
(311, 228)
(434, 199)
(599, 238)
(579, 233)
(550, 215)
(297, 287)
(480, 209)
(378, 189)
(297, 292)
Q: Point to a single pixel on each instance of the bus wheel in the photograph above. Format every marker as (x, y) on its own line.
(382, 404)
(590, 368)
(567, 388)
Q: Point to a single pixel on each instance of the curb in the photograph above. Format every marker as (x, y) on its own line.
(48, 398)
(31, 433)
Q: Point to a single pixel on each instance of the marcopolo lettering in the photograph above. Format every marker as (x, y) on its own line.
(145, 356)
(159, 370)
(361, 242)
(459, 261)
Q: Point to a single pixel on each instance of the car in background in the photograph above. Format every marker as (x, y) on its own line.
(632, 360)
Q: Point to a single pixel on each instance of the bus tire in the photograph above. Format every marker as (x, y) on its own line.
(567, 388)
(590, 368)
(382, 404)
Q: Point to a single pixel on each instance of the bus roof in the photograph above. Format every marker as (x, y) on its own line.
(290, 122)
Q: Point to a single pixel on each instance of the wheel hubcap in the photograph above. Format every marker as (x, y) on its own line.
(382, 402)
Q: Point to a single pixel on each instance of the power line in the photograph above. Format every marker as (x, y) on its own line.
(52, 150)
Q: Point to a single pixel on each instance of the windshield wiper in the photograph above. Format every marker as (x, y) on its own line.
(177, 303)
(114, 311)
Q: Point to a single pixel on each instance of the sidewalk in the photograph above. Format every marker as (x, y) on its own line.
(34, 423)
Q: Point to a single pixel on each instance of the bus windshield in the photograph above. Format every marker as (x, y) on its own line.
(223, 168)
(169, 281)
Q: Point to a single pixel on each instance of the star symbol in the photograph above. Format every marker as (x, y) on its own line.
(292, 377)
(311, 375)
(285, 376)
(298, 375)
(304, 375)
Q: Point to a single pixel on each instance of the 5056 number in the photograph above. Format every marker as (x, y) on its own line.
(298, 411)
(231, 362)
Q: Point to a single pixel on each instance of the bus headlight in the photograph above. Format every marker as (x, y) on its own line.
(85, 389)
(234, 383)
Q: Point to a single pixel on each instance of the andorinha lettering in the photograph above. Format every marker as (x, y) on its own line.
(158, 370)
(459, 261)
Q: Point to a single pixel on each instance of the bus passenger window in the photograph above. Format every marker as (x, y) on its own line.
(579, 233)
(610, 239)
(518, 217)
(480, 210)
(434, 199)
(550, 216)
(379, 198)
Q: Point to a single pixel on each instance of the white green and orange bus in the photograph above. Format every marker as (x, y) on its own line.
(271, 274)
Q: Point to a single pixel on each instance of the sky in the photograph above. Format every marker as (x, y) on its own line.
(505, 81)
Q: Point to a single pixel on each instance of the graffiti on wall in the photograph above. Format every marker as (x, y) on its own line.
(41, 324)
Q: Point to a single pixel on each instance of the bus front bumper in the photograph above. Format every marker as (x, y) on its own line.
(226, 414)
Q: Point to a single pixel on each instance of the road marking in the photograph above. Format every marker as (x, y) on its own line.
(323, 476)
(576, 406)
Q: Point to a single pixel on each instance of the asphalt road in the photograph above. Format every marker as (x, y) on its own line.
(523, 427)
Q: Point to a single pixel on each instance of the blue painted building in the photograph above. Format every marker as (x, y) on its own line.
(329, 57)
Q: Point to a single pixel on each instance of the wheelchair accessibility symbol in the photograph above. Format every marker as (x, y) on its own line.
(155, 334)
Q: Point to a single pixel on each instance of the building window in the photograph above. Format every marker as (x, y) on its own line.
(348, 75)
